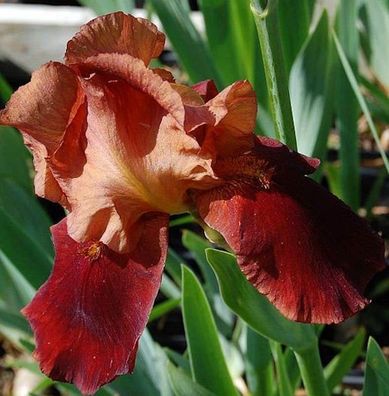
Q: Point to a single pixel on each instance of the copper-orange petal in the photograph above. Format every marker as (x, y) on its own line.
(224, 125)
(45, 110)
(139, 158)
(89, 315)
(116, 33)
(296, 243)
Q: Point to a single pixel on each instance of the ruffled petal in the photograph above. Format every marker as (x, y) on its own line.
(296, 243)
(138, 155)
(88, 317)
(206, 89)
(227, 127)
(44, 110)
(116, 33)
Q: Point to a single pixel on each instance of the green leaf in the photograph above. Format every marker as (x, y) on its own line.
(23, 252)
(293, 35)
(163, 308)
(377, 29)
(186, 40)
(173, 265)
(376, 371)
(197, 246)
(23, 288)
(25, 210)
(253, 307)
(284, 385)
(169, 288)
(346, 105)
(101, 7)
(15, 160)
(208, 364)
(218, 18)
(354, 84)
(259, 364)
(342, 363)
(182, 384)
(311, 85)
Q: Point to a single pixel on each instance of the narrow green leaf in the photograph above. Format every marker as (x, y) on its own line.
(15, 160)
(284, 386)
(197, 246)
(218, 18)
(23, 252)
(25, 210)
(311, 370)
(163, 308)
(19, 282)
(377, 32)
(208, 364)
(101, 7)
(169, 288)
(293, 35)
(178, 359)
(361, 100)
(173, 265)
(347, 106)
(182, 220)
(186, 40)
(342, 363)
(253, 307)
(259, 364)
(311, 86)
(182, 384)
(376, 371)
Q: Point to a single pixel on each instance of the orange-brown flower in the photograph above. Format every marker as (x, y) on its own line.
(122, 147)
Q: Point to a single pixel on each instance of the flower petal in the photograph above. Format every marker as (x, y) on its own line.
(89, 315)
(139, 158)
(297, 244)
(116, 33)
(44, 110)
(206, 89)
(228, 128)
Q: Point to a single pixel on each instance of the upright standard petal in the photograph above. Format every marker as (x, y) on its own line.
(296, 243)
(44, 110)
(138, 155)
(116, 33)
(226, 128)
(88, 317)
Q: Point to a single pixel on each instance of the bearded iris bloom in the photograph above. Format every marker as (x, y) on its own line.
(122, 146)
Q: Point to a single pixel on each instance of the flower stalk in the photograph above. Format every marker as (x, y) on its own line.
(276, 77)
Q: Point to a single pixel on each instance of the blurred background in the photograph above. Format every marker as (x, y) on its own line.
(209, 39)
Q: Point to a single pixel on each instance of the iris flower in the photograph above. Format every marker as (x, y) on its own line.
(122, 146)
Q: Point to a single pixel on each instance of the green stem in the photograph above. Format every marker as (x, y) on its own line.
(311, 371)
(266, 20)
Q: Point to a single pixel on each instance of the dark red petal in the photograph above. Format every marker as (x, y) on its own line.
(89, 315)
(283, 157)
(298, 244)
(206, 89)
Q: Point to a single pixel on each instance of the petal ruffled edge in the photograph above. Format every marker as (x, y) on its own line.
(116, 33)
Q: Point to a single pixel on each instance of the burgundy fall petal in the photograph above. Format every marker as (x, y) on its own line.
(89, 315)
(297, 244)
